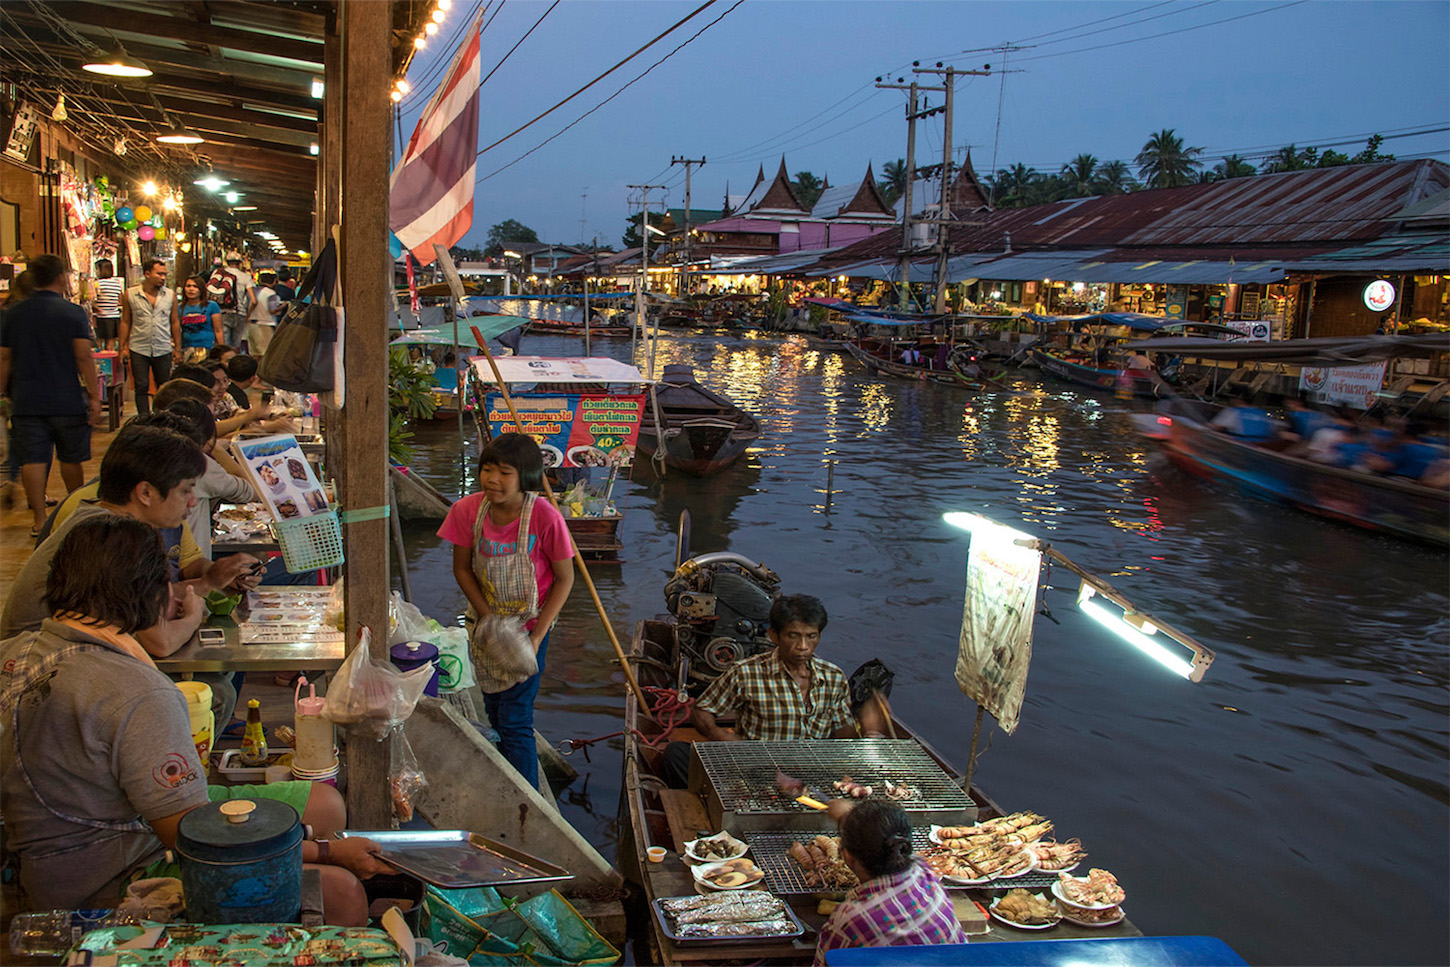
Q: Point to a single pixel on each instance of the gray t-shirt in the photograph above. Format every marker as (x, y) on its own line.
(25, 608)
(107, 739)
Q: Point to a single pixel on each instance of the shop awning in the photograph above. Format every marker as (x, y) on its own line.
(1304, 352)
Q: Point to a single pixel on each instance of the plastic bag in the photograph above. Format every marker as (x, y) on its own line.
(455, 667)
(407, 623)
(373, 696)
(407, 782)
(333, 615)
(503, 654)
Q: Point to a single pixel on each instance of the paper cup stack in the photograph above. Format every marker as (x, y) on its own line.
(319, 772)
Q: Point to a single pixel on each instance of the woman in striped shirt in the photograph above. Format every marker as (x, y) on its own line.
(106, 306)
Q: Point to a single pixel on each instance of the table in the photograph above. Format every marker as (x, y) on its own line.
(233, 656)
(1118, 952)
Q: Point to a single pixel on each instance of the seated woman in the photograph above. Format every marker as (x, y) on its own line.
(97, 762)
(899, 900)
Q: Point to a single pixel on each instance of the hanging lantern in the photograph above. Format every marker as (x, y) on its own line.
(146, 233)
(143, 213)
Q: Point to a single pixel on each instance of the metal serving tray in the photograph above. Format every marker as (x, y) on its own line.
(455, 859)
(798, 928)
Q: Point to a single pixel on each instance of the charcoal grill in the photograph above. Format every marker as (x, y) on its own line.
(784, 877)
(737, 780)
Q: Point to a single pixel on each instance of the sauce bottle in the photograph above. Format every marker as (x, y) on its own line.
(314, 733)
(254, 740)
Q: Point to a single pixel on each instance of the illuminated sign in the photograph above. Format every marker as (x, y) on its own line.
(1379, 295)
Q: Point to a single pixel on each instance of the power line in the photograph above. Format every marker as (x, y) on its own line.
(1158, 16)
(1090, 23)
(1166, 33)
(669, 30)
(520, 41)
(420, 85)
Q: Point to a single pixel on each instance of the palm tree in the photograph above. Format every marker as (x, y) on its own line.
(1078, 176)
(1016, 187)
(1113, 178)
(808, 188)
(1290, 158)
(1232, 166)
(1165, 163)
(893, 180)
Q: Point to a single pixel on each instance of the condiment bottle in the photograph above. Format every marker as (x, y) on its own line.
(254, 740)
(314, 733)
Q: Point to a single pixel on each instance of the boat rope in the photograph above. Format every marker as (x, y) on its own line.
(670, 709)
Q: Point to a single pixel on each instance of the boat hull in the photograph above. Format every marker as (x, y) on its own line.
(918, 374)
(1134, 381)
(698, 450)
(1386, 504)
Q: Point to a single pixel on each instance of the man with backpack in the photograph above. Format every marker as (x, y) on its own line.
(263, 318)
(230, 287)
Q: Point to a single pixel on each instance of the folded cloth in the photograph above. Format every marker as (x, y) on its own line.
(158, 899)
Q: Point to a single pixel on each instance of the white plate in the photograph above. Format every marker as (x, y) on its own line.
(740, 848)
(933, 837)
(701, 872)
(964, 881)
(1067, 912)
(1022, 926)
(1069, 903)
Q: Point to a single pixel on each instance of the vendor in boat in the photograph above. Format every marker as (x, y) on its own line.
(779, 695)
(899, 900)
(1249, 423)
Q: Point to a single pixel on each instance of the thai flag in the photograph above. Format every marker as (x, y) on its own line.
(432, 188)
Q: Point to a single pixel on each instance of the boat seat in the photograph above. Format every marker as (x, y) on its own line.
(1432, 396)
(1235, 381)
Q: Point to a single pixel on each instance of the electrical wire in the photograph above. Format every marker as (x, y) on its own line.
(1158, 16)
(658, 37)
(1166, 33)
(520, 41)
(440, 62)
(1090, 23)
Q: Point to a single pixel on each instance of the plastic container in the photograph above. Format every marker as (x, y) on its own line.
(203, 722)
(409, 655)
(309, 543)
(314, 749)
(50, 933)
(241, 862)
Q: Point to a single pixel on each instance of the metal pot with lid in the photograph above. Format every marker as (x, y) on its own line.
(241, 862)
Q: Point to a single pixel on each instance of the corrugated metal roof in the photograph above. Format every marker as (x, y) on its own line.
(831, 200)
(1393, 253)
(764, 264)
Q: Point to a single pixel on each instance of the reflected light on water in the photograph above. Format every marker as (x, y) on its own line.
(877, 407)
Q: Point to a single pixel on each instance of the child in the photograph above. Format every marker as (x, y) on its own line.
(201, 320)
(485, 529)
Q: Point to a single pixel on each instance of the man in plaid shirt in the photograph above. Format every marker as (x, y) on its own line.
(783, 694)
(900, 901)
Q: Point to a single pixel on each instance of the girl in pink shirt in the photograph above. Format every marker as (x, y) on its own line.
(493, 572)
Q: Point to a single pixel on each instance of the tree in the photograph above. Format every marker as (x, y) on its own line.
(462, 253)
(1232, 166)
(1290, 158)
(1371, 152)
(893, 181)
(509, 231)
(1113, 178)
(1017, 186)
(1165, 163)
(631, 233)
(808, 188)
(1079, 177)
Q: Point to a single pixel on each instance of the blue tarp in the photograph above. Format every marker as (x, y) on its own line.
(1133, 320)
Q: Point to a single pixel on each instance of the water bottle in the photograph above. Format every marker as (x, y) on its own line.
(53, 932)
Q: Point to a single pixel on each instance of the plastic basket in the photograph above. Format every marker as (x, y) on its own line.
(309, 543)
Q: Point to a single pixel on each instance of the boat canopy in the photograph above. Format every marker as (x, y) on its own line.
(558, 369)
(1318, 351)
(491, 326)
(1132, 320)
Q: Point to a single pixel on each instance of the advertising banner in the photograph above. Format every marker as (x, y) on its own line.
(574, 430)
(996, 641)
(1356, 386)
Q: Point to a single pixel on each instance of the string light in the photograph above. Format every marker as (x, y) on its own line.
(148, 189)
(404, 86)
(430, 29)
(419, 43)
(397, 95)
(438, 16)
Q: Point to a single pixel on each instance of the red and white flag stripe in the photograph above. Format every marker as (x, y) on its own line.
(432, 188)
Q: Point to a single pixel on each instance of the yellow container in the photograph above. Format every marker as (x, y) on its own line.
(203, 724)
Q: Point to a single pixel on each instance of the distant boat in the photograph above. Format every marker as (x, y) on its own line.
(703, 432)
(873, 354)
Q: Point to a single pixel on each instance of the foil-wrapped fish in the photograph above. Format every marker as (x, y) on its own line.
(741, 907)
(775, 927)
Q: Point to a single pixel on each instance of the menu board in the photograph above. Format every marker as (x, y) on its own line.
(574, 430)
(287, 614)
(281, 475)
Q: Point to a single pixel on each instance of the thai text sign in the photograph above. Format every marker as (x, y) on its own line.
(1356, 386)
(574, 430)
(996, 641)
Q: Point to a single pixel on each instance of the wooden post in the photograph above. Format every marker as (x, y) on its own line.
(366, 271)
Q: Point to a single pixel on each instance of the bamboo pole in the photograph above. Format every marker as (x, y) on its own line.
(578, 557)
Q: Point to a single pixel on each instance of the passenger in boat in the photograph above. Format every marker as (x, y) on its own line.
(1139, 360)
(910, 357)
(1246, 422)
(899, 901)
(779, 695)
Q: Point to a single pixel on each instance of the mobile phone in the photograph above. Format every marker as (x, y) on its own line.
(209, 637)
(257, 568)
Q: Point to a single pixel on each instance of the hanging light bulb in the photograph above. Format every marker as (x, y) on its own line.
(438, 16)
(168, 203)
(445, 4)
(148, 189)
(312, 148)
(115, 63)
(419, 43)
(404, 86)
(397, 95)
(119, 148)
(232, 197)
(430, 28)
(59, 115)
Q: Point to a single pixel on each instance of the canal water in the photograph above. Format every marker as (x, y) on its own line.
(1292, 804)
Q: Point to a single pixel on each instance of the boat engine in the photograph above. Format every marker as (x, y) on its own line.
(721, 603)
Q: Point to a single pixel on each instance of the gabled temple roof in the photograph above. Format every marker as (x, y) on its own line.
(967, 194)
(752, 197)
(780, 196)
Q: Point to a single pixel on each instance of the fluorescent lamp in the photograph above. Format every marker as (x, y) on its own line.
(1123, 626)
(116, 63)
(211, 183)
(318, 89)
(180, 135)
(977, 524)
(312, 148)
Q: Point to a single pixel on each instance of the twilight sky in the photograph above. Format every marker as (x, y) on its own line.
(797, 77)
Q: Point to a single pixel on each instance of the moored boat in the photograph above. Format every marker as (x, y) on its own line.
(700, 431)
(1393, 505)
(874, 355)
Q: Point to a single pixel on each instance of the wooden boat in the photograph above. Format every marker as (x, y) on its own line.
(1392, 505)
(702, 432)
(654, 815)
(1080, 369)
(558, 327)
(1105, 364)
(874, 356)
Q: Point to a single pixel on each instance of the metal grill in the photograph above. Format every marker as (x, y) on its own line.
(742, 774)
(784, 876)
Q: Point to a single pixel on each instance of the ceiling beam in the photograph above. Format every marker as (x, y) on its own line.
(176, 28)
(260, 118)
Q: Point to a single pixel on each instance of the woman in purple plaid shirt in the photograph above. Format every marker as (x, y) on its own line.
(900, 901)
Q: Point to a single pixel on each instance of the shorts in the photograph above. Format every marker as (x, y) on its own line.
(34, 437)
(107, 327)
(292, 793)
(259, 337)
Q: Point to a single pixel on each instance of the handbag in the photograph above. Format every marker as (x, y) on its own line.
(300, 356)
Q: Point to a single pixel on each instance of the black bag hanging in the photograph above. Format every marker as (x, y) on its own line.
(300, 357)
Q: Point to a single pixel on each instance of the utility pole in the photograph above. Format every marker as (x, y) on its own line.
(643, 270)
(685, 276)
(904, 265)
(939, 303)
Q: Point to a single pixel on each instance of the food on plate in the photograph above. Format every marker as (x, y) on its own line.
(552, 457)
(982, 863)
(1091, 918)
(296, 469)
(288, 508)
(621, 456)
(744, 907)
(1032, 909)
(1015, 831)
(588, 456)
(1099, 888)
(847, 786)
(900, 792)
(733, 874)
(822, 863)
(774, 927)
(713, 848)
(1052, 855)
(236, 513)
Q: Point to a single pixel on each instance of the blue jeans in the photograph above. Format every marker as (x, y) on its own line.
(511, 713)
